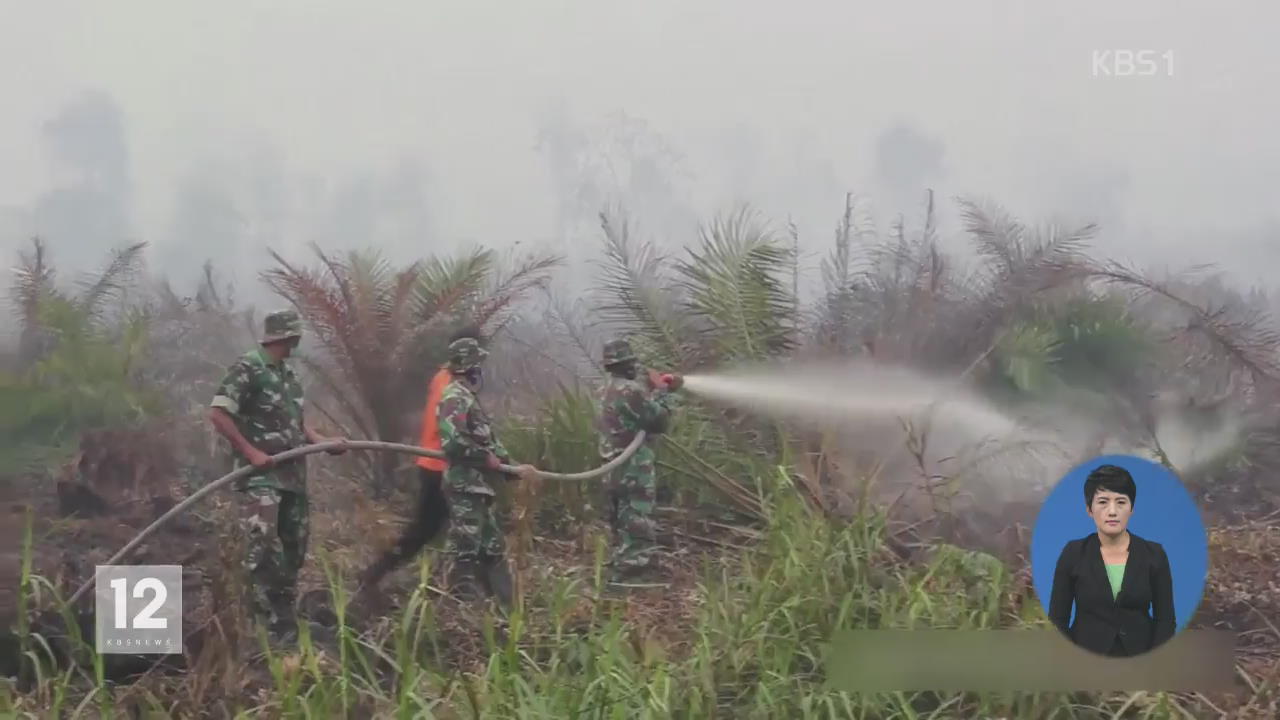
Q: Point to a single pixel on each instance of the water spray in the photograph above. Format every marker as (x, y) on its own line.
(844, 392)
(883, 415)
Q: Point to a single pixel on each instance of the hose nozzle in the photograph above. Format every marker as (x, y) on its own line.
(665, 381)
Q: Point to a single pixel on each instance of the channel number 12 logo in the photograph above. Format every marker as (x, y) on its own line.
(138, 609)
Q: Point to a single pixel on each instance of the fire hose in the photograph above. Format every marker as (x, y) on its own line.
(298, 452)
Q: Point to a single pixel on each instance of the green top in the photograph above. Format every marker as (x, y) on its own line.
(1115, 573)
(467, 438)
(265, 400)
(628, 406)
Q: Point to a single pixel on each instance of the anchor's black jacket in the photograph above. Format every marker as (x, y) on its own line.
(1138, 619)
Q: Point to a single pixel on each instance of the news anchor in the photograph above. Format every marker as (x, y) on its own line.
(1120, 584)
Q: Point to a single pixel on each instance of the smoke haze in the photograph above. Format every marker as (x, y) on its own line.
(214, 130)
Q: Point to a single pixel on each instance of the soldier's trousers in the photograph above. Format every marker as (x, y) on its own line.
(632, 494)
(474, 532)
(274, 525)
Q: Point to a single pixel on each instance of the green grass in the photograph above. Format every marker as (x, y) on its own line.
(697, 460)
(752, 645)
(752, 648)
(561, 438)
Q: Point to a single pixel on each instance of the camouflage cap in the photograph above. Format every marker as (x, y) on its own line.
(465, 353)
(281, 325)
(618, 351)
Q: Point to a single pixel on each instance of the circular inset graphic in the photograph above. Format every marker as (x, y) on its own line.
(1119, 555)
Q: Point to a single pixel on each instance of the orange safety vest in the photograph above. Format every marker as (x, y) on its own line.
(430, 425)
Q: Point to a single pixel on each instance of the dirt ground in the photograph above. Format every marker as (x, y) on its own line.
(84, 516)
(82, 519)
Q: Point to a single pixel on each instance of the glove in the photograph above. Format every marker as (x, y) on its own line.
(674, 381)
(655, 379)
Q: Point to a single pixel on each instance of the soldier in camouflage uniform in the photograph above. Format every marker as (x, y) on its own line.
(628, 404)
(258, 408)
(475, 542)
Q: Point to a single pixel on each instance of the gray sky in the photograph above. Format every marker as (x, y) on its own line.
(415, 125)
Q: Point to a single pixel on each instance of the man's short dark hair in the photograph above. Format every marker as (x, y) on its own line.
(471, 332)
(1112, 478)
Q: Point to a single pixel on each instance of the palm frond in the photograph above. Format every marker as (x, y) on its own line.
(929, 283)
(1016, 253)
(450, 285)
(475, 288)
(1245, 336)
(355, 306)
(322, 304)
(368, 275)
(117, 277)
(33, 281)
(835, 313)
(997, 235)
(378, 325)
(837, 268)
(331, 377)
(338, 275)
(1027, 356)
(902, 292)
(568, 325)
(1022, 263)
(88, 377)
(396, 307)
(637, 296)
(508, 286)
(735, 282)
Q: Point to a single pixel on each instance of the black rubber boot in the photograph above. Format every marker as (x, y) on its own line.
(646, 574)
(284, 629)
(465, 581)
(498, 581)
(625, 573)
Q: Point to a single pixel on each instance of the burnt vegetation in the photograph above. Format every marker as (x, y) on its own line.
(772, 545)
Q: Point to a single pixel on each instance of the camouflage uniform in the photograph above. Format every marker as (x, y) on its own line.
(265, 400)
(467, 440)
(627, 406)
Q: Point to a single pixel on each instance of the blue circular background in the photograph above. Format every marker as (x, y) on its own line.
(1163, 512)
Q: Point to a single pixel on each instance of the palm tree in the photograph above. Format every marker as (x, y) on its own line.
(380, 328)
(194, 338)
(738, 290)
(899, 298)
(34, 287)
(80, 364)
(906, 301)
(729, 298)
(1038, 316)
(638, 295)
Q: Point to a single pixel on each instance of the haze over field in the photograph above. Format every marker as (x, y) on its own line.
(989, 291)
(209, 130)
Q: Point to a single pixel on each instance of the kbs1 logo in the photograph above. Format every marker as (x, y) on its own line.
(1132, 63)
(138, 609)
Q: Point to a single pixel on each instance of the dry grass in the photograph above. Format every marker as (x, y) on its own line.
(715, 596)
